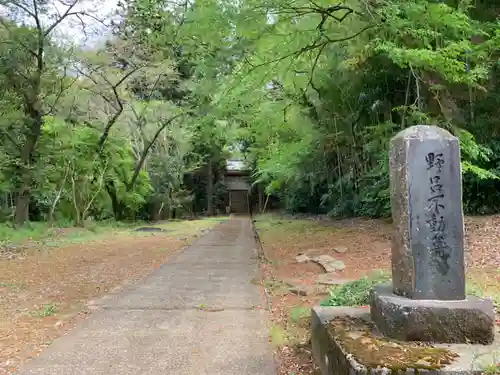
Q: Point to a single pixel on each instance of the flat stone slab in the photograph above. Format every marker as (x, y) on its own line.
(302, 258)
(331, 279)
(138, 342)
(150, 229)
(340, 249)
(466, 321)
(329, 264)
(333, 357)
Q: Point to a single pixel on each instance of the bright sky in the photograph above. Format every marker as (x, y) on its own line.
(90, 33)
(93, 31)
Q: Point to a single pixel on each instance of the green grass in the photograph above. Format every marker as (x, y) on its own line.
(355, 293)
(300, 316)
(492, 370)
(279, 336)
(41, 232)
(475, 288)
(13, 286)
(31, 231)
(279, 225)
(47, 310)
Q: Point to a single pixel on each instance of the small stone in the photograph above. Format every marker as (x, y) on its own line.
(302, 258)
(422, 363)
(324, 261)
(354, 335)
(322, 289)
(300, 290)
(149, 229)
(329, 263)
(330, 279)
(338, 265)
(340, 249)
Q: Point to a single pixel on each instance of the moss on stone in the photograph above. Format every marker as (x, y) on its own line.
(356, 337)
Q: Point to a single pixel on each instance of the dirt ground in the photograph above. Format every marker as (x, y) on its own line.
(44, 289)
(368, 249)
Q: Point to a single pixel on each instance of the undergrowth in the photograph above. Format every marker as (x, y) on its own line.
(355, 293)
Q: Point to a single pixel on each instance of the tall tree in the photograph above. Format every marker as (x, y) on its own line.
(38, 79)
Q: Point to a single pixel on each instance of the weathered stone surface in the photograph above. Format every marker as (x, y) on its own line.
(306, 290)
(297, 286)
(302, 258)
(150, 229)
(333, 359)
(329, 264)
(340, 249)
(337, 265)
(426, 196)
(301, 290)
(331, 279)
(463, 321)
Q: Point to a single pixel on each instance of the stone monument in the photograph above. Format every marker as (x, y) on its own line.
(427, 300)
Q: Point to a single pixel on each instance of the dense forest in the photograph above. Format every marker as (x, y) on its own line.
(138, 123)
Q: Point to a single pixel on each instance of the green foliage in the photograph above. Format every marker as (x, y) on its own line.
(324, 104)
(313, 92)
(492, 370)
(355, 293)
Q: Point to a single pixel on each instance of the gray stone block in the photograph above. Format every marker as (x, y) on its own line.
(328, 354)
(466, 321)
(333, 359)
(426, 196)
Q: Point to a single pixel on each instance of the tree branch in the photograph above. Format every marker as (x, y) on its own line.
(145, 153)
(62, 89)
(66, 14)
(112, 120)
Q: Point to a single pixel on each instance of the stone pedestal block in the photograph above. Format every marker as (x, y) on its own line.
(335, 358)
(465, 321)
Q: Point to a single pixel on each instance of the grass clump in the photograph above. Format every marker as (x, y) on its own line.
(47, 310)
(355, 293)
(492, 370)
(279, 336)
(297, 314)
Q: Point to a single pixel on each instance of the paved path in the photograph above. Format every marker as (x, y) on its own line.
(157, 327)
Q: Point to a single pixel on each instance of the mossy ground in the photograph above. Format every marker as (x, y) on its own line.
(356, 337)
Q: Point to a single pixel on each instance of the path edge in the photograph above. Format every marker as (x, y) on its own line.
(261, 257)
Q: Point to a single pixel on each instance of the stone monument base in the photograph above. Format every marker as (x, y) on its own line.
(468, 321)
(345, 342)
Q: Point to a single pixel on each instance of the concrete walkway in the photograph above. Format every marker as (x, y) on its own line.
(198, 314)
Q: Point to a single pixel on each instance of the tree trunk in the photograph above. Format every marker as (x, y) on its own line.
(57, 197)
(210, 188)
(22, 205)
(27, 159)
(115, 203)
(261, 198)
(265, 205)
